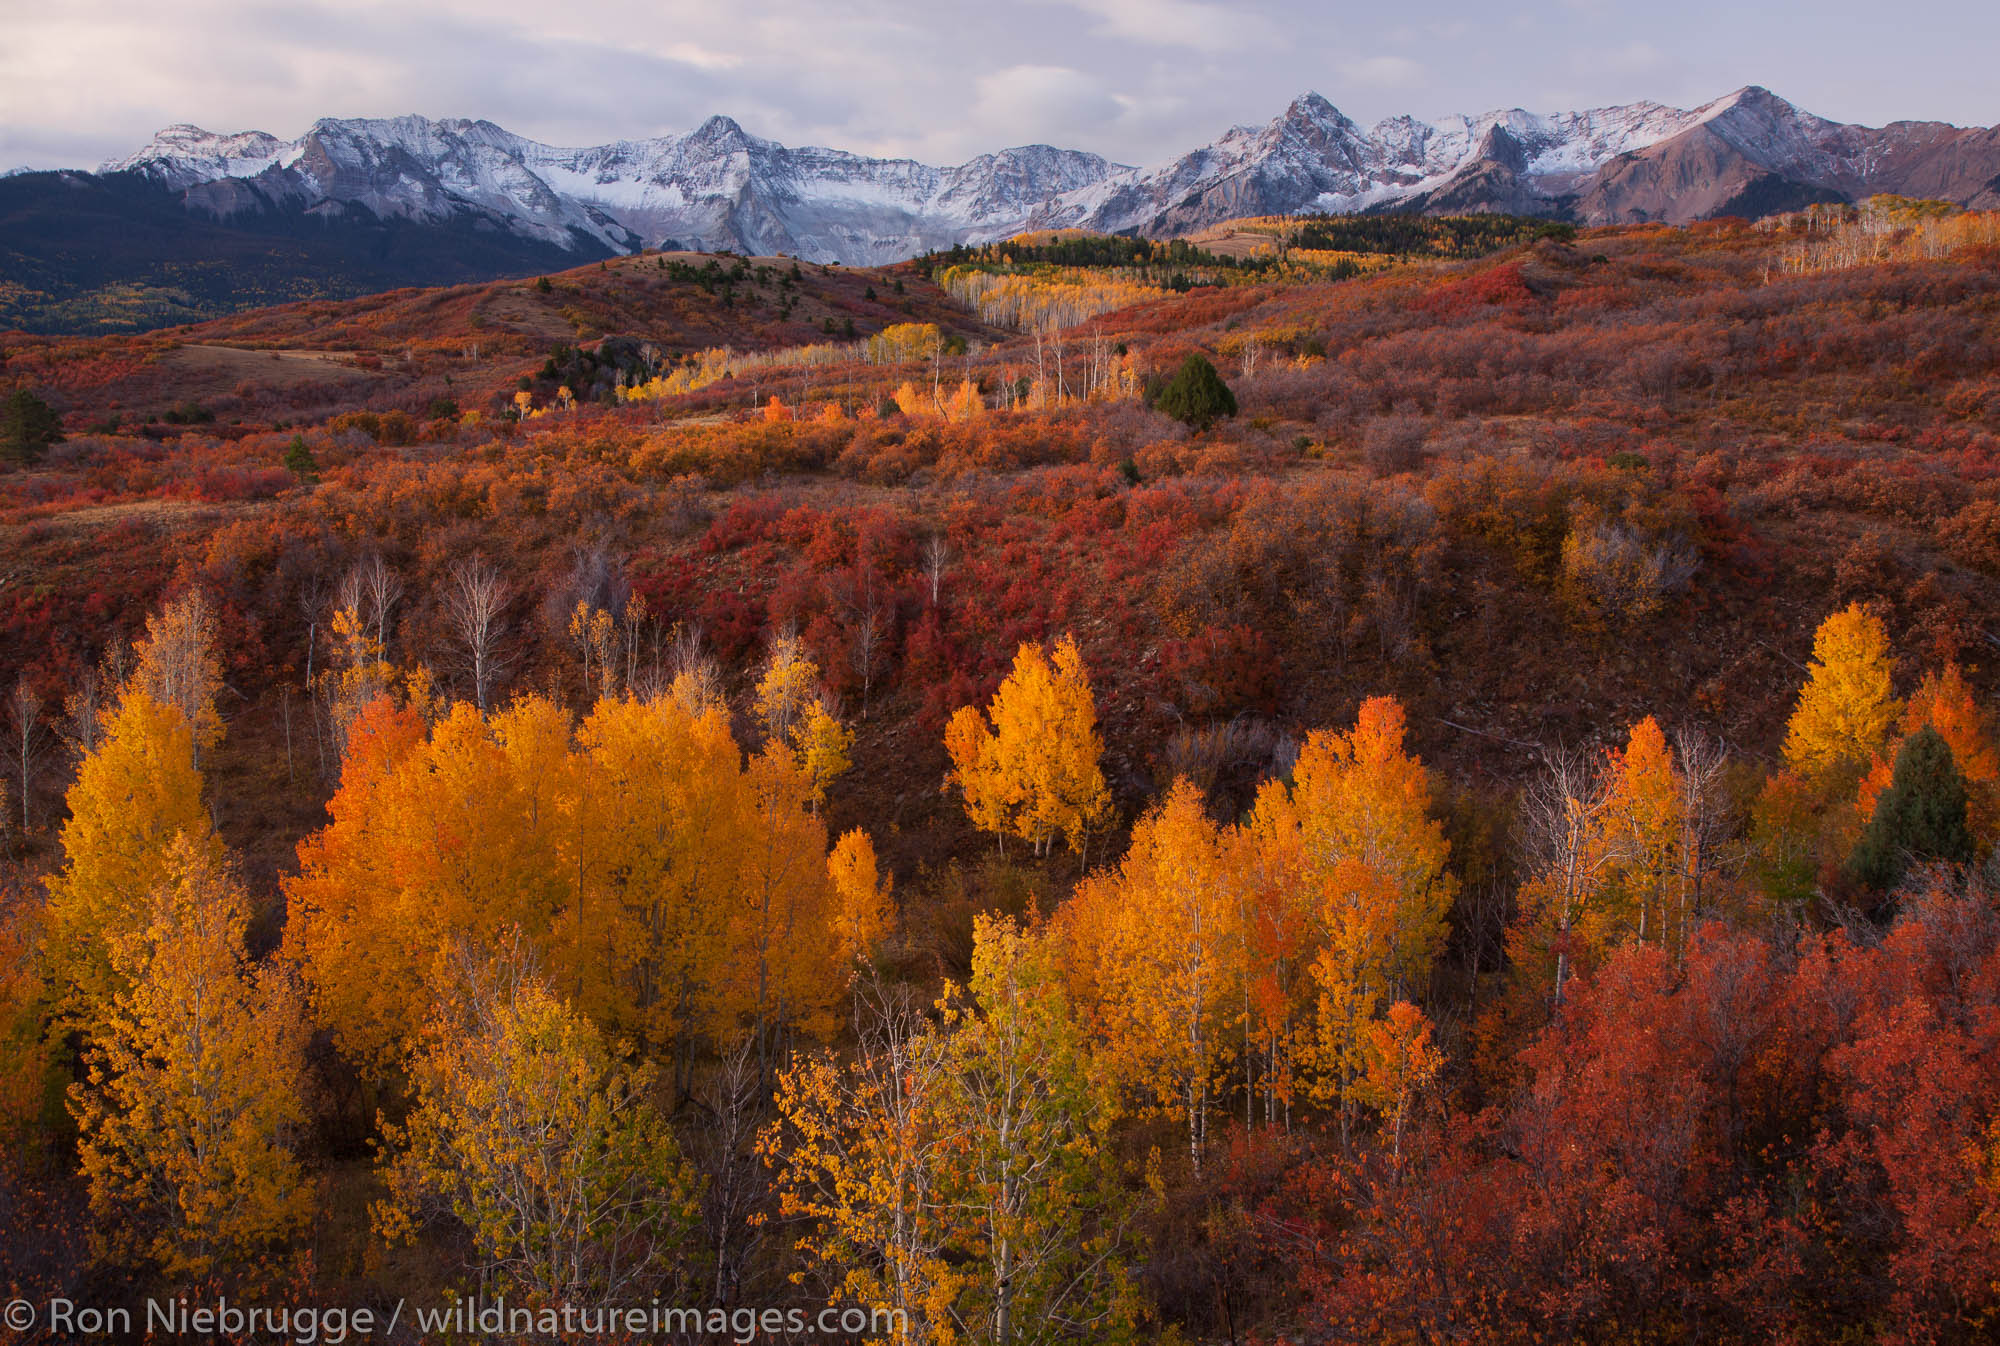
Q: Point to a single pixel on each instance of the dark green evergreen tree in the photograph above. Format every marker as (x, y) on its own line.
(299, 461)
(1196, 395)
(1921, 816)
(28, 426)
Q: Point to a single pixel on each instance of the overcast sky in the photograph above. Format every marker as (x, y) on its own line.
(1138, 80)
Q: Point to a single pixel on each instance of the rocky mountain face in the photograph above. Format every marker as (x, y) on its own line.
(717, 187)
(1749, 153)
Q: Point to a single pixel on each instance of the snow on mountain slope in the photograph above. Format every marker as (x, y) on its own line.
(716, 187)
(720, 187)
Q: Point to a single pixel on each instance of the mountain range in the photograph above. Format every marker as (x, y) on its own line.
(410, 200)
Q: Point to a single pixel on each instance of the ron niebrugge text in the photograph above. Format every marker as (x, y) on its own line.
(318, 1325)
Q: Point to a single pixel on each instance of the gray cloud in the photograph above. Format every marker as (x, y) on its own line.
(1137, 80)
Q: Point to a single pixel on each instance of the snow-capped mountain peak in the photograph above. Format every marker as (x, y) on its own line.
(719, 186)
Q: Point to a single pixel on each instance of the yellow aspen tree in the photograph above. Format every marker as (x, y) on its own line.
(990, 797)
(788, 685)
(595, 636)
(1277, 917)
(862, 909)
(176, 663)
(822, 743)
(658, 809)
(911, 402)
(955, 1174)
(1643, 828)
(1035, 771)
(1070, 793)
(132, 797)
(778, 980)
(530, 1133)
(359, 675)
(795, 712)
(966, 404)
(1033, 1206)
(192, 1109)
(1847, 707)
(857, 1156)
(1373, 859)
(1166, 982)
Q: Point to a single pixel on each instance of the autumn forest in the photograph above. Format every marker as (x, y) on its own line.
(1335, 780)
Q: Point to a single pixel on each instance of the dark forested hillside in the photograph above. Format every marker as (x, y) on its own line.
(118, 252)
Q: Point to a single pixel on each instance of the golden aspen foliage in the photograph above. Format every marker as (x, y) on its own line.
(787, 686)
(1165, 957)
(990, 797)
(1402, 1063)
(532, 1135)
(176, 664)
(659, 832)
(958, 1172)
(795, 713)
(1357, 823)
(857, 1153)
(902, 342)
(777, 979)
(863, 912)
(775, 410)
(132, 797)
(1643, 830)
(32, 1076)
(671, 890)
(1276, 922)
(1807, 819)
(465, 831)
(822, 743)
(966, 404)
(1034, 770)
(594, 634)
(1034, 1205)
(1047, 297)
(1847, 706)
(190, 1116)
(358, 675)
(913, 403)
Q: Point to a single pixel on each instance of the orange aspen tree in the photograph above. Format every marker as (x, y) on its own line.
(1372, 857)
(862, 909)
(469, 830)
(1402, 1064)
